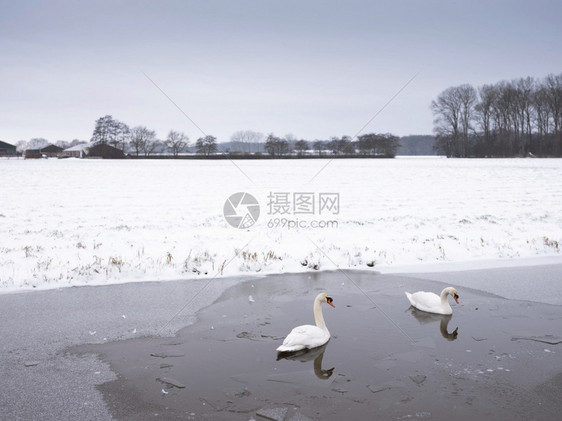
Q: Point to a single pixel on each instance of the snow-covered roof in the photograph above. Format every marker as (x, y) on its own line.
(80, 147)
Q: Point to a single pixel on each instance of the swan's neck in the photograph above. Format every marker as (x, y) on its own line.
(444, 298)
(444, 295)
(318, 316)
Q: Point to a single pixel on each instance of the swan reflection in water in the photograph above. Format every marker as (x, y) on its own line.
(305, 355)
(424, 318)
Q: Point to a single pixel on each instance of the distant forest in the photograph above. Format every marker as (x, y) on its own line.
(417, 145)
(522, 117)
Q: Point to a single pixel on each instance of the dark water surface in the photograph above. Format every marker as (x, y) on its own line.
(504, 362)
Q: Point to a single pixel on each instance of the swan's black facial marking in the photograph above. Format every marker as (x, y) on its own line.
(330, 301)
(456, 297)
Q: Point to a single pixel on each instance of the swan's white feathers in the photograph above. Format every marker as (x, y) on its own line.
(431, 302)
(305, 336)
(424, 301)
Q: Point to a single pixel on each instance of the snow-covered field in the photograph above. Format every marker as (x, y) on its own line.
(77, 222)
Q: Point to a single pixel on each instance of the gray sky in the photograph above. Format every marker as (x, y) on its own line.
(314, 69)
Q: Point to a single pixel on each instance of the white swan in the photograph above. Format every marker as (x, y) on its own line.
(433, 303)
(309, 336)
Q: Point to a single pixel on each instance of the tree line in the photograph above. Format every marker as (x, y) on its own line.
(521, 117)
(141, 141)
(372, 144)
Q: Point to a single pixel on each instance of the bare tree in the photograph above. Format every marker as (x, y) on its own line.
(103, 130)
(301, 146)
(110, 131)
(275, 146)
(333, 145)
(142, 139)
(246, 141)
(468, 97)
(525, 90)
(21, 145)
(123, 135)
(62, 144)
(542, 119)
(454, 112)
(553, 85)
(77, 142)
(483, 113)
(206, 145)
(290, 139)
(389, 144)
(177, 142)
(503, 118)
(33, 143)
(37, 143)
(152, 146)
(318, 146)
(365, 144)
(341, 145)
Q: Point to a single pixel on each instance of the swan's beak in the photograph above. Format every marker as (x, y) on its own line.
(330, 301)
(456, 297)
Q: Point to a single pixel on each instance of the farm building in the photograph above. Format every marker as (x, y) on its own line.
(77, 151)
(6, 149)
(32, 154)
(105, 151)
(51, 151)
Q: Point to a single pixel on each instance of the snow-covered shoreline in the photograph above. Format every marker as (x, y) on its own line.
(74, 222)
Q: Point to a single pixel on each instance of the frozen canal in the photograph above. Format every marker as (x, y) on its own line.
(494, 359)
(90, 352)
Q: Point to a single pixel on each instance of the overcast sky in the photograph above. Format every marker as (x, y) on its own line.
(314, 69)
